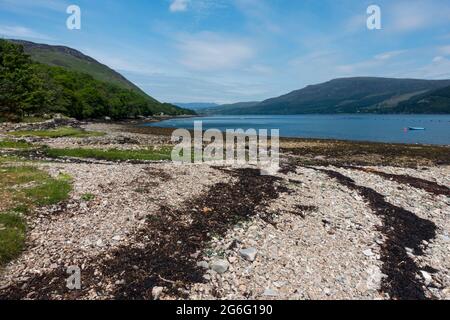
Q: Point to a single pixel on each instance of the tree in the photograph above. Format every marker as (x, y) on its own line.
(15, 80)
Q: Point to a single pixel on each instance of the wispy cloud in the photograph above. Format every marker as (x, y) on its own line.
(444, 50)
(368, 66)
(211, 52)
(438, 68)
(22, 32)
(406, 16)
(389, 55)
(179, 5)
(259, 14)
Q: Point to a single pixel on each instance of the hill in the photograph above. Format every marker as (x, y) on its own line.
(74, 60)
(75, 89)
(437, 101)
(196, 105)
(346, 95)
(225, 108)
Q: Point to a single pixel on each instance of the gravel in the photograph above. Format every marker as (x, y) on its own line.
(322, 239)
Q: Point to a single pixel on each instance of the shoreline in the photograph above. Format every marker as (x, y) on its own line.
(236, 234)
(169, 130)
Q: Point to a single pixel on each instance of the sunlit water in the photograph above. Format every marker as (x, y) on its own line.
(379, 128)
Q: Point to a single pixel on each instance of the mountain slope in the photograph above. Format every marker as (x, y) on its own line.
(60, 56)
(226, 108)
(347, 95)
(28, 87)
(197, 106)
(437, 101)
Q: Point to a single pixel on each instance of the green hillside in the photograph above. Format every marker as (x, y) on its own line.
(437, 101)
(60, 56)
(32, 88)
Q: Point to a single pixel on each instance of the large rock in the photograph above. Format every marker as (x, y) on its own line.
(156, 292)
(220, 266)
(249, 254)
(203, 264)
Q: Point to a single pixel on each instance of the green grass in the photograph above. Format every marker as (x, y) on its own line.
(33, 119)
(12, 235)
(10, 144)
(57, 133)
(49, 191)
(7, 159)
(21, 189)
(13, 176)
(113, 154)
(29, 186)
(87, 197)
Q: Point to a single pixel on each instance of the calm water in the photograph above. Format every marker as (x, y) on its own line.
(380, 128)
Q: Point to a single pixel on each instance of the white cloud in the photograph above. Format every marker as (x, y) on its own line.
(212, 52)
(179, 5)
(21, 32)
(388, 55)
(438, 59)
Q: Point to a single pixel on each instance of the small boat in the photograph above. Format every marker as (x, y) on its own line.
(416, 129)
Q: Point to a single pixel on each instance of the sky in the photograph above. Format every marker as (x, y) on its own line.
(228, 51)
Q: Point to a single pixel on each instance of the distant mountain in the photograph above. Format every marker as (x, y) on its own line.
(352, 95)
(229, 108)
(196, 105)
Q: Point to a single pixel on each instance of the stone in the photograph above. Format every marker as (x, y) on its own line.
(375, 278)
(220, 266)
(427, 277)
(207, 277)
(446, 293)
(117, 238)
(156, 292)
(249, 254)
(279, 284)
(203, 264)
(232, 259)
(270, 293)
(368, 253)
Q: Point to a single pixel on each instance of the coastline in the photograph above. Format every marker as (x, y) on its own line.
(292, 137)
(331, 200)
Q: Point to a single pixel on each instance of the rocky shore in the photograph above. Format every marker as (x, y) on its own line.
(338, 221)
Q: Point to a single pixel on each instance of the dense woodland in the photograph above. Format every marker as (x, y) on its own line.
(30, 88)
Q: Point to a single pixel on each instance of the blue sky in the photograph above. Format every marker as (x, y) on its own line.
(242, 50)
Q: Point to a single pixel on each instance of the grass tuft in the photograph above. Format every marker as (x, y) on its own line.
(113, 154)
(12, 235)
(51, 191)
(22, 188)
(87, 197)
(57, 133)
(10, 144)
